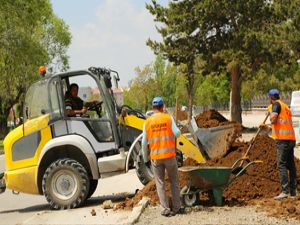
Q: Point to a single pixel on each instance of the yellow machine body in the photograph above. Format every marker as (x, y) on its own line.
(21, 175)
(183, 143)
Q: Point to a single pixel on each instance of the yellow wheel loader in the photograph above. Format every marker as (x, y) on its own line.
(62, 157)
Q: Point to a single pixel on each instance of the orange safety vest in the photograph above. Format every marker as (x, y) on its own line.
(283, 128)
(160, 136)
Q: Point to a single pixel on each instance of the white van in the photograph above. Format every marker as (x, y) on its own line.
(295, 103)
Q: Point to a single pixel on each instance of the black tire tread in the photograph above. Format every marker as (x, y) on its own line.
(93, 187)
(66, 163)
(142, 171)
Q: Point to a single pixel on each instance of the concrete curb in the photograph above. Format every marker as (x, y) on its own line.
(137, 211)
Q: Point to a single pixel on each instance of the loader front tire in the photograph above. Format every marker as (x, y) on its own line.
(93, 187)
(65, 184)
(144, 170)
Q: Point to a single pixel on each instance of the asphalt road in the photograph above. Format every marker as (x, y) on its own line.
(34, 209)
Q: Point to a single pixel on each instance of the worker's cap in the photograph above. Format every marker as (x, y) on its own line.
(42, 69)
(273, 92)
(157, 101)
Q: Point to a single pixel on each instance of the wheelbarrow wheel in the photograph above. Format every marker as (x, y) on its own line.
(189, 199)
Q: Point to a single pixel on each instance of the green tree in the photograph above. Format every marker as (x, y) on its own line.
(160, 78)
(30, 36)
(213, 89)
(177, 22)
(166, 74)
(141, 89)
(235, 37)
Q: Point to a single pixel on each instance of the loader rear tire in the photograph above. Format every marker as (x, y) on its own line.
(65, 184)
(143, 170)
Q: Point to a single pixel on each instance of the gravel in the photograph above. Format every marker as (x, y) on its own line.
(212, 215)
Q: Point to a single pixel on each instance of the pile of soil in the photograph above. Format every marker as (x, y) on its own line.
(260, 182)
(149, 191)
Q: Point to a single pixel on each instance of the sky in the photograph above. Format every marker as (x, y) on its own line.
(109, 33)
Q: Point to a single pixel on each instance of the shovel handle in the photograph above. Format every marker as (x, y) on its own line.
(252, 141)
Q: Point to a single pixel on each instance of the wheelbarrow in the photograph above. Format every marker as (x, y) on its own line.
(211, 179)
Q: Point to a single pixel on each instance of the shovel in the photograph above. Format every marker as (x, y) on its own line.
(237, 169)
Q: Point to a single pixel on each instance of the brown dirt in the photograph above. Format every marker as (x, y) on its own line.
(181, 116)
(287, 208)
(211, 118)
(257, 186)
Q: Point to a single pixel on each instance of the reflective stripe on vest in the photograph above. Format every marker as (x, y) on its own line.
(283, 121)
(284, 132)
(158, 151)
(283, 128)
(160, 139)
(160, 136)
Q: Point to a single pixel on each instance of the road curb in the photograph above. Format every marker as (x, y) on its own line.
(137, 211)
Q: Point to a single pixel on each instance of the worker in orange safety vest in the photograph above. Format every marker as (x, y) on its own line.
(159, 135)
(284, 135)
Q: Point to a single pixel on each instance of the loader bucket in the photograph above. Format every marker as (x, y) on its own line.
(213, 142)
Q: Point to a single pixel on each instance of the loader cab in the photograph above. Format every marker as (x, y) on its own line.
(47, 98)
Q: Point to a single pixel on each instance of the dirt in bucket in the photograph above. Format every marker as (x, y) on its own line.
(211, 118)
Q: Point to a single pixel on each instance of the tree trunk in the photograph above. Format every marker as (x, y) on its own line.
(190, 92)
(190, 114)
(146, 104)
(3, 124)
(235, 98)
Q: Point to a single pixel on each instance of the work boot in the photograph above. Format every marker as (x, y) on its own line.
(293, 193)
(166, 213)
(179, 211)
(281, 196)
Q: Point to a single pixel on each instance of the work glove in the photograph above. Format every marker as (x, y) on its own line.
(264, 126)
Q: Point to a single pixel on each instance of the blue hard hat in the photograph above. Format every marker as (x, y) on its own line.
(157, 101)
(273, 92)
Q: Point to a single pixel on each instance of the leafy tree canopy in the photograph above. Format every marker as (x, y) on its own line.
(31, 35)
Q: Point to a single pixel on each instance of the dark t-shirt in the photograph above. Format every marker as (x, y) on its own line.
(74, 103)
(276, 108)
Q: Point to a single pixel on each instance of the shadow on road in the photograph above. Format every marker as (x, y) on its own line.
(90, 202)
(35, 208)
(114, 198)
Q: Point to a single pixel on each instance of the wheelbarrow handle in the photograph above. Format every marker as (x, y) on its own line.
(243, 169)
(237, 161)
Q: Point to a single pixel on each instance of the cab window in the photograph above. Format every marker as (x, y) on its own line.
(36, 100)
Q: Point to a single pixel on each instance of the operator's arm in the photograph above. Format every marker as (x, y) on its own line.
(145, 146)
(276, 108)
(73, 112)
(175, 129)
